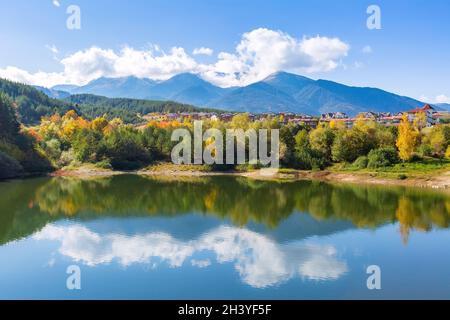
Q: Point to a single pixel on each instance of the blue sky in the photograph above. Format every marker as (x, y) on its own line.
(319, 39)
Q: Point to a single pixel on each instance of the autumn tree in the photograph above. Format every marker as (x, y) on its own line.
(439, 139)
(321, 139)
(420, 121)
(407, 139)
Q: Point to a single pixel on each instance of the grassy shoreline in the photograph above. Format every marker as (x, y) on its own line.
(436, 177)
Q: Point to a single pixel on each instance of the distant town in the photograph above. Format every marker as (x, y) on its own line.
(432, 116)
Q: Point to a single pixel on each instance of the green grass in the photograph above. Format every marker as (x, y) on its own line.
(420, 168)
(166, 166)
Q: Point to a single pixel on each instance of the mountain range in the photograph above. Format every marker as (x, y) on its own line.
(280, 92)
(443, 106)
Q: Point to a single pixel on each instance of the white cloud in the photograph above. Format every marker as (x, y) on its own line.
(367, 49)
(38, 78)
(56, 3)
(201, 263)
(84, 66)
(203, 51)
(442, 98)
(260, 261)
(52, 48)
(260, 53)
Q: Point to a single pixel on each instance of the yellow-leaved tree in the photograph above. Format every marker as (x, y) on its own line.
(420, 121)
(407, 139)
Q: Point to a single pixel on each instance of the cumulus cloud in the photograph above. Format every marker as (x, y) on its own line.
(38, 78)
(442, 98)
(86, 65)
(203, 51)
(259, 261)
(56, 3)
(260, 53)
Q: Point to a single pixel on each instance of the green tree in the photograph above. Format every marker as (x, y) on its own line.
(350, 144)
(321, 139)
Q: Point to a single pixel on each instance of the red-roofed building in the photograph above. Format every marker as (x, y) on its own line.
(426, 108)
(429, 112)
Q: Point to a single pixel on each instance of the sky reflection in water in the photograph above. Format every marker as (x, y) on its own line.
(138, 237)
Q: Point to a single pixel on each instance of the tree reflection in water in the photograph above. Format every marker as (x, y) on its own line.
(28, 205)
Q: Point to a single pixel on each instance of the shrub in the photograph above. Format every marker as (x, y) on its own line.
(125, 149)
(350, 144)
(361, 162)
(382, 157)
(53, 149)
(67, 158)
(416, 158)
(425, 150)
(308, 159)
(9, 167)
(104, 164)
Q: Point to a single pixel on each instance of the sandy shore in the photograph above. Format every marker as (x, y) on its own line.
(438, 181)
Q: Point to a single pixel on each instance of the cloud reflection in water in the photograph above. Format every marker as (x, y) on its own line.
(259, 260)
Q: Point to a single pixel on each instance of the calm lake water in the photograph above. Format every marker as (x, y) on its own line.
(220, 238)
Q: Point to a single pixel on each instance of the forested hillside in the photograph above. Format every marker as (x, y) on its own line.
(18, 153)
(31, 103)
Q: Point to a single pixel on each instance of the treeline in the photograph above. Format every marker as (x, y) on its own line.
(72, 140)
(129, 110)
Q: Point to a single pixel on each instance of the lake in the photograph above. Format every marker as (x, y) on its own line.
(138, 237)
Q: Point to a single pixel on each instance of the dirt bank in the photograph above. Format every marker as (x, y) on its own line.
(435, 181)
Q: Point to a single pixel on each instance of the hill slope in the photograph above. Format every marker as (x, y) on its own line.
(31, 103)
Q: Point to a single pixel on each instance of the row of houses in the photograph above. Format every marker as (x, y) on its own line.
(225, 117)
(433, 117)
